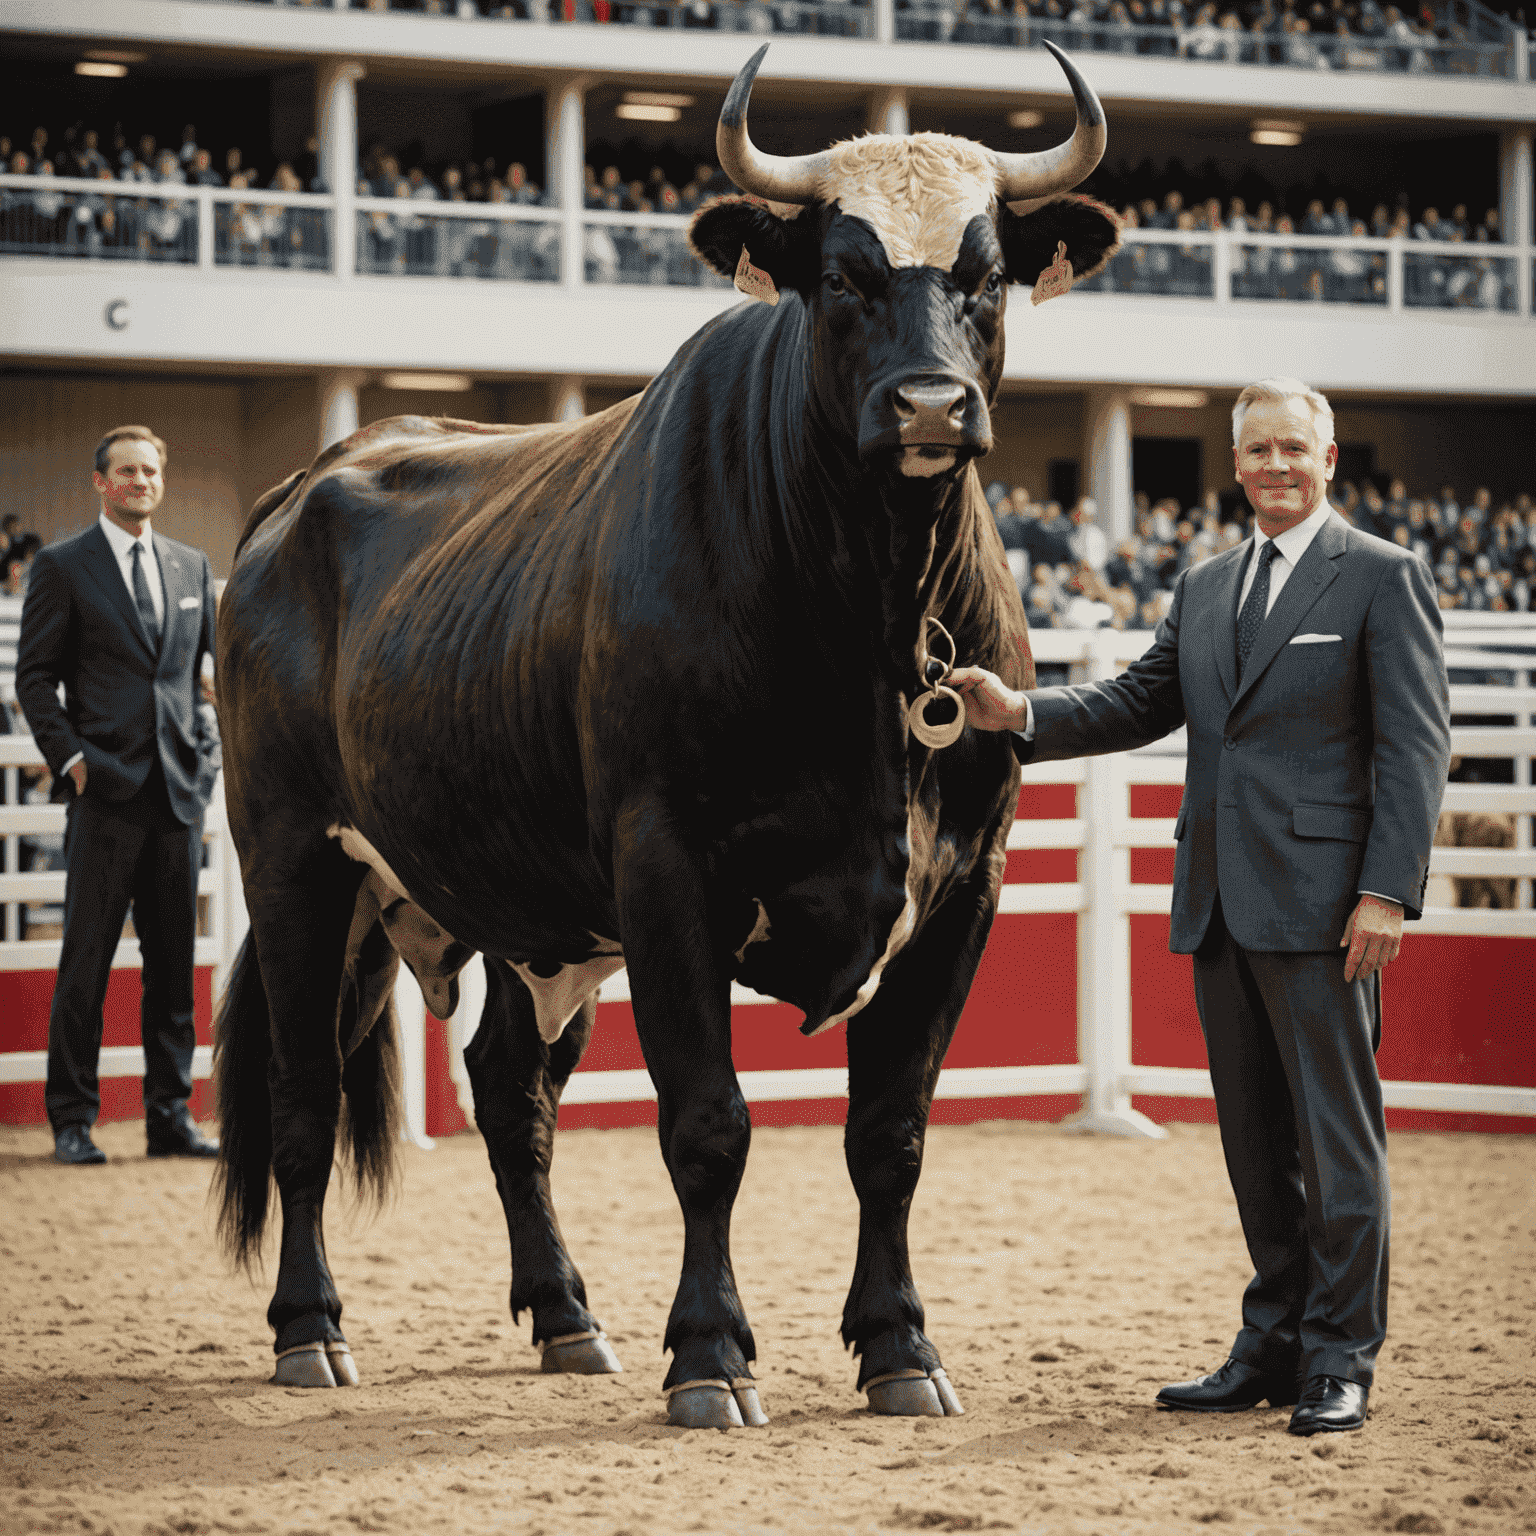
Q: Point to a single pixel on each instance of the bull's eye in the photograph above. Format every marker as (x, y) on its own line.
(994, 285)
(835, 283)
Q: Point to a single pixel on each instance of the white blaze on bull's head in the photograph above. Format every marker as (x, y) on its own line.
(918, 192)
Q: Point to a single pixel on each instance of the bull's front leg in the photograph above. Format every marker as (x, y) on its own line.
(681, 995)
(896, 1046)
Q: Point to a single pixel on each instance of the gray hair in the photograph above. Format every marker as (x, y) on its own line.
(1281, 390)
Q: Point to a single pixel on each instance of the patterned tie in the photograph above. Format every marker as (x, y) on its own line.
(146, 604)
(1251, 620)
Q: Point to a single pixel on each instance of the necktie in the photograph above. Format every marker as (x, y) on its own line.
(146, 604)
(1251, 619)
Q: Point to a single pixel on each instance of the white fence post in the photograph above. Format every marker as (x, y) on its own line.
(411, 1011)
(1104, 942)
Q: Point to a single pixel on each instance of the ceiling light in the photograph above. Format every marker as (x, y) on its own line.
(444, 383)
(1025, 117)
(1276, 131)
(1170, 399)
(102, 69)
(113, 56)
(657, 99)
(639, 112)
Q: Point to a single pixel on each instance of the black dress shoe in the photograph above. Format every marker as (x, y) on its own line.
(1232, 1389)
(73, 1144)
(1330, 1404)
(177, 1136)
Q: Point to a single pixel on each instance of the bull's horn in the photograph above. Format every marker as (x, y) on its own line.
(778, 178)
(1057, 170)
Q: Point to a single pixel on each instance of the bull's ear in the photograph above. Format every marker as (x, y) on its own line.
(1090, 231)
(786, 249)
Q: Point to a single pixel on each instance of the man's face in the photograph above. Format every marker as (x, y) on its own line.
(1282, 464)
(132, 486)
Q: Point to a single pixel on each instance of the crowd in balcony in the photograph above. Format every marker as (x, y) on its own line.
(1483, 556)
(151, 222)
(1444, 265)
(1322, 34)
(1438, 274)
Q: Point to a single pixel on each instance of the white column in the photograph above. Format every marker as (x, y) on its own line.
(411, 1018)
(1515, 196)
(567, 398)
(888, 112)
(1107, 459)
(338, 405)
(564, 156)
(336, 122)
(885, 21)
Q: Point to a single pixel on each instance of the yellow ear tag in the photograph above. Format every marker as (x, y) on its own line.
(1056, 279)
(754, 282)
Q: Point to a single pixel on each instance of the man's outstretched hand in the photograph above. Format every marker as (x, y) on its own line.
(990, 704)
(1374, 934)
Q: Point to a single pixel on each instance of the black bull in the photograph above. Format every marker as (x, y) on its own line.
(634, 682)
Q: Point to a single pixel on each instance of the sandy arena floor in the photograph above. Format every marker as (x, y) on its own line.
(1065, 1279)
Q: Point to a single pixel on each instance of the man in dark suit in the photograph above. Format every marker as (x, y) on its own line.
(122, 617)
(1307, 664)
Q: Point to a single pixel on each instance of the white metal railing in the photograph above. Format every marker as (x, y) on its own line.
(1482, 43)
(1390, 275)
(164, 222)
(216, 228)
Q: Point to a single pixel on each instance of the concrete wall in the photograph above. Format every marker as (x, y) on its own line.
(49, 428)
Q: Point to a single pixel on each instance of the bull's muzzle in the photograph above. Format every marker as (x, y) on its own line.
(929, 411)
(931, 414)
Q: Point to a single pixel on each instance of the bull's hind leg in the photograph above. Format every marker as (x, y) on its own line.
(896, 1046)
(517, 1081)
(300, 913)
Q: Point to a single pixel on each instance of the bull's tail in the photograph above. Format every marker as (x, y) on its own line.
(242, 1051)
(370, 1124)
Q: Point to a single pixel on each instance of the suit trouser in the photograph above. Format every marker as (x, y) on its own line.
(136, 853)
(1290, 1045)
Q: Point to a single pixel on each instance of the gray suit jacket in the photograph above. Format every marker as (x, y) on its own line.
(126, 699)
(1322, 775)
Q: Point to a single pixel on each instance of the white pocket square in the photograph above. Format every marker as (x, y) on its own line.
(191, 602)
(1316, 639)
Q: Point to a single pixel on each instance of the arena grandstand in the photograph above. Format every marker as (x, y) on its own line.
(257, 225)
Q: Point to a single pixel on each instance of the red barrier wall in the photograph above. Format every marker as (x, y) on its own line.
(25, 998)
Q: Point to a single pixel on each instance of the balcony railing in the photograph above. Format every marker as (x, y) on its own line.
(152, 222)
(508, 241)
(1225, 265)
(215, 228)
(1477, 42)
(644, 249)
(960, 22)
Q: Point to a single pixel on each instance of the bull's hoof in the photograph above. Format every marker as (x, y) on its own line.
(745, 1393)
(913, 1394)
(343, 1367)
(305, 1365)
(580, 1354)
(704, 1405)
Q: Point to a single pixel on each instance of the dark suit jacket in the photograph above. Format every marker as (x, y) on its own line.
(124, 703)
(1321, 776)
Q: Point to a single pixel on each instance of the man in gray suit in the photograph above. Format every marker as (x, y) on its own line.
(1308, 667)
(122, 617)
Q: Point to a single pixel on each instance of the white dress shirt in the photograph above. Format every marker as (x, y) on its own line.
(123, 543)
(1290, 546)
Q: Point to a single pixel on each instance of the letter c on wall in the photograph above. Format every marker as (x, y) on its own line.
(116, 314)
